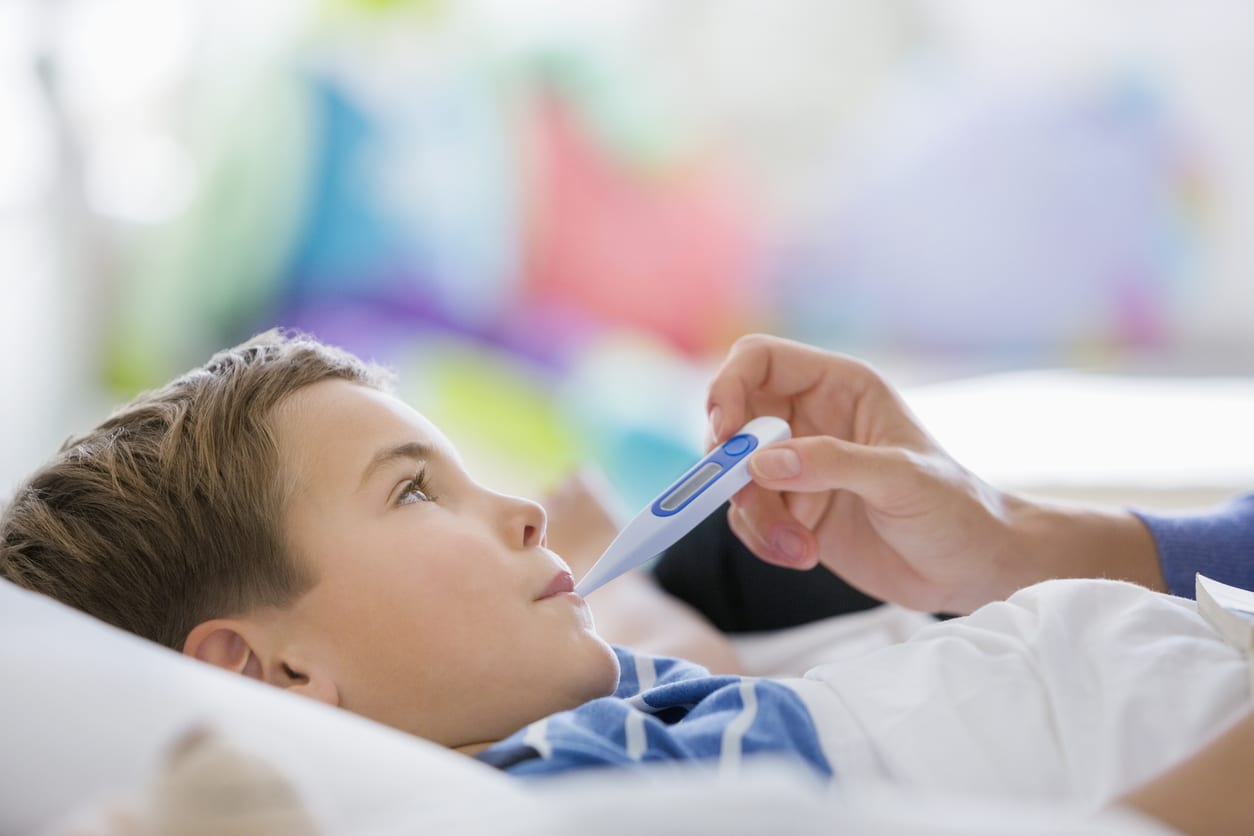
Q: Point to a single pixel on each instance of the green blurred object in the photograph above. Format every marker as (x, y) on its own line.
(426, 8)
(498, 412)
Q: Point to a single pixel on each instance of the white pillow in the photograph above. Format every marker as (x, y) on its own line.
(87, 711)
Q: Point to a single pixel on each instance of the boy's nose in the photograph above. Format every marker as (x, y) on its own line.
(527, 522)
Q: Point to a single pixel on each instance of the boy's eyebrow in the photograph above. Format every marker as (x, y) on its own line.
(414, 450)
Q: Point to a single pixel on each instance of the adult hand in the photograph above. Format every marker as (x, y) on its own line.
(863, 489)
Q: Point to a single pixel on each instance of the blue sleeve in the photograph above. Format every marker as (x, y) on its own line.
(1218, 543)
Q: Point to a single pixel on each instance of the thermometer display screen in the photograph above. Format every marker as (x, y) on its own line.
(720, 461)
(703, 476)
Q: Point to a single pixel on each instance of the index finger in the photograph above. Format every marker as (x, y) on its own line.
(764, 375)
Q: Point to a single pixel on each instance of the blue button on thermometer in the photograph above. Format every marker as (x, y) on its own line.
(693, 497)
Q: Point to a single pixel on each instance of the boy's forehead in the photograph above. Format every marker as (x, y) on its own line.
(343, 425)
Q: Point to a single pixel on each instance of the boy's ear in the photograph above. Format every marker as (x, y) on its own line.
(222, 642)
(240, 646)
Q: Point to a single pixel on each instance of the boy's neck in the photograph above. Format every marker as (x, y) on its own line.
(473, 749)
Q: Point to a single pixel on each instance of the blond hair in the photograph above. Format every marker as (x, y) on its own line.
(169, 513)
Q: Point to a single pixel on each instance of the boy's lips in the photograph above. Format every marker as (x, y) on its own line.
(563, 581)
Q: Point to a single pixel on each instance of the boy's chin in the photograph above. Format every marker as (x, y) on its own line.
(609, 673)
(598, 676)
(611, 682)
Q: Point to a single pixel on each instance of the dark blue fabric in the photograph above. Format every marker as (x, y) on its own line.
(1218, 543)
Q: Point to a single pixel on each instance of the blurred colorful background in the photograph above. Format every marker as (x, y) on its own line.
(553, 219)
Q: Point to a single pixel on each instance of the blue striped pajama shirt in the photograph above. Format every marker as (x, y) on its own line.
(667, 710)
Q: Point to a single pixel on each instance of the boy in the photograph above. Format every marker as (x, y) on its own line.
(279, 514)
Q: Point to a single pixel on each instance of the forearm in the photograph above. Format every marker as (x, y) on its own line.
(1050, 540)
(1209, 792)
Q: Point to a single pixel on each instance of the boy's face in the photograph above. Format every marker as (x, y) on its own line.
(434, 608)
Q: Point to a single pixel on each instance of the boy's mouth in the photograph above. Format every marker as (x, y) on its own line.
(562, 582)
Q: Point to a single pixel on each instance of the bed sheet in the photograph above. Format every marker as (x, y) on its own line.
(1070, 690)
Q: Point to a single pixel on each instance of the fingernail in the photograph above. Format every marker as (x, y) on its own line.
(777, 464)
(716, 421)
(790, 544)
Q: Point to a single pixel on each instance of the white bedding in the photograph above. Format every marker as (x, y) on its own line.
(87, 713)
(1070, 689)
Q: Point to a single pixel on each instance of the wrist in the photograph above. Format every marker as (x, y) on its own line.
(1053, 540)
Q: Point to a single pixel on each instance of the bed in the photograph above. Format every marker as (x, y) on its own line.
(90, 715)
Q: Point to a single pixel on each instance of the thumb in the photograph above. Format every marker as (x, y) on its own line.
(824, 463)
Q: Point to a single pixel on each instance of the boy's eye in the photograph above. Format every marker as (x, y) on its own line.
(416, 490)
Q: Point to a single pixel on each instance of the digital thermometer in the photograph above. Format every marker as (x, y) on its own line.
(693, 497)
